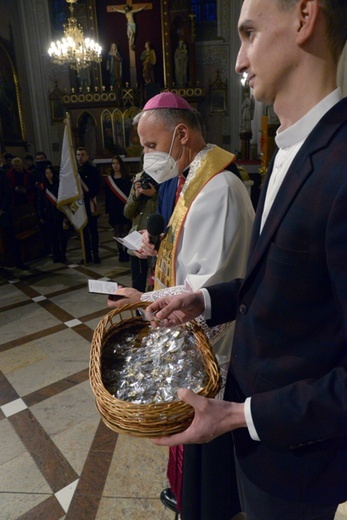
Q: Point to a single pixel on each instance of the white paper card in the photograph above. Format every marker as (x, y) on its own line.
(133, 241)
(102, 286)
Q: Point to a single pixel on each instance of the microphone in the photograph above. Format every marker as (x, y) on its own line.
(155, 226)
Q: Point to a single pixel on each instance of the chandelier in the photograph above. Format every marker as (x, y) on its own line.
(75, 50)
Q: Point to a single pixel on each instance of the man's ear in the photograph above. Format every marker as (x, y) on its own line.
(307, 11)
(183, 133)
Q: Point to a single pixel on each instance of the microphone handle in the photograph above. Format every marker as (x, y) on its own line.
(155, 240)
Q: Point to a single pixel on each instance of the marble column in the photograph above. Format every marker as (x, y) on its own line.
(35, 31)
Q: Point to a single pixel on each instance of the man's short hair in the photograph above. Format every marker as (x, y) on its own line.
(335, 12)
(171, 117)
(82, 149)
(41, 153)
(336, 15)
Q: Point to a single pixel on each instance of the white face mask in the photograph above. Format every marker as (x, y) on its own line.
(161, 166)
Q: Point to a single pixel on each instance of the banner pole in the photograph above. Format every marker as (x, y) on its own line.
(83, 248)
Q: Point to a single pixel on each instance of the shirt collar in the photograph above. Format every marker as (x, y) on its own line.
(300, 130)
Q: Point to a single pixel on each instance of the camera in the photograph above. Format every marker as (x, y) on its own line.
(147, 182)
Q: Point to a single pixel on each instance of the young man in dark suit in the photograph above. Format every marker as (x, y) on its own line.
(286, 394)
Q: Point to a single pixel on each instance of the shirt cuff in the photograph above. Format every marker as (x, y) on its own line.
(208, 306)
(249, 420)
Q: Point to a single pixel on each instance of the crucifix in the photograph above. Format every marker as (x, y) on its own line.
(129, 10)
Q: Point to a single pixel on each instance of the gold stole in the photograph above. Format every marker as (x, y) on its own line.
(213, 162)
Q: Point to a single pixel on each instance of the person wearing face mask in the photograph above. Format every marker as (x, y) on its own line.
(206, 241)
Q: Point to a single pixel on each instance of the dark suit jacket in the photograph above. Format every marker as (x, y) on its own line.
(91, 177)
(290, 345)
(166, 198)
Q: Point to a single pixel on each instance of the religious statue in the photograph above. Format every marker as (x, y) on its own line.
(84, 79)
(149, 59)
(114, 66)
(107, 131)
(181, 64)
(129, 12)
(247, 113)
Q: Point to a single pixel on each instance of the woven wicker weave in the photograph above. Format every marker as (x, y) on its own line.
(144, 420)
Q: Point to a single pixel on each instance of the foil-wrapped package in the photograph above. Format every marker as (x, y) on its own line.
(147, 365)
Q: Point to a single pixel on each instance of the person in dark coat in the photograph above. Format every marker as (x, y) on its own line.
(53, 220)
(23, 189)
(7, 165)
(117, 189)
(7, 229)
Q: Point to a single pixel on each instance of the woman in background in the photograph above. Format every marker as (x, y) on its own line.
(53, 220)
(117, 189)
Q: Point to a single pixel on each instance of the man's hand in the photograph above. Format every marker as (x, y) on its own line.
(129, 294)
(148, 192)
(147, 248)
(175, 310)
(212, 418)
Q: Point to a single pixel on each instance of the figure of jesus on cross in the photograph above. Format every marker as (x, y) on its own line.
(129, 12)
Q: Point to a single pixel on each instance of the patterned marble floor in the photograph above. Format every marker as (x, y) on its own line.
(57, 459)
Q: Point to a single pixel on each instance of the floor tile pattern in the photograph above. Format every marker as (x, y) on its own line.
(57, 459)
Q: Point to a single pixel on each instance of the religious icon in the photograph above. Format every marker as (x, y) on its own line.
(114, 65)
(118, 131)
(149, 59)
(107, 130)
(181, 64)
(129, 12)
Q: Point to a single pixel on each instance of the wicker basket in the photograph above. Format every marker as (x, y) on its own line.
(144, 420)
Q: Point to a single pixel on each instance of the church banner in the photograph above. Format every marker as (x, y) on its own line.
(70, 194)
